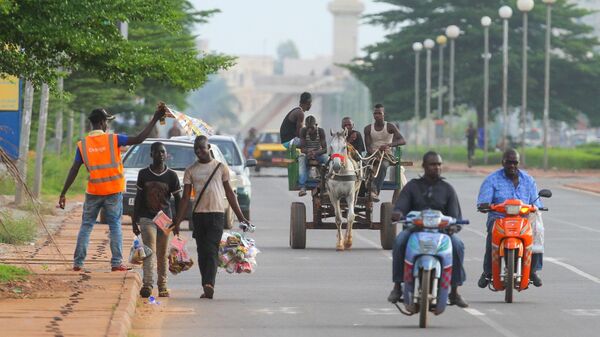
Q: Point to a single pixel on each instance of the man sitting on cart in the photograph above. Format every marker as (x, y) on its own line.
(381, 136)
(313, 146)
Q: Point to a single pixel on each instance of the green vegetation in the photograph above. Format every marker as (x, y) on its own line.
(584, 157)
(55, 169)
(12, 273)
(15, 230)
(388, 68)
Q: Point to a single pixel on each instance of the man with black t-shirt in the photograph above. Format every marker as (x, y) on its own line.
(155, 185)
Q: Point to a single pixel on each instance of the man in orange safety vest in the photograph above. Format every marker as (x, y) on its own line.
(99, 152)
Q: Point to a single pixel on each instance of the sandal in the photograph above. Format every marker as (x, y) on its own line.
(209, 291)
(163, 292)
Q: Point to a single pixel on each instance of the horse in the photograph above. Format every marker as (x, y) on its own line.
(343, 182)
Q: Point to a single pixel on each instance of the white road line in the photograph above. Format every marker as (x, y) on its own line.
(482, 317)
(573, 269)
(570, 223)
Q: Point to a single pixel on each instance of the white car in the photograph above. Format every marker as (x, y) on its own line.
(180, 155)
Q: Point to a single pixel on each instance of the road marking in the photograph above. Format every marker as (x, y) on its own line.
(373, 244)
(570, 223)
(573, 269)
(474, 312)
(573, 189)
(380, 311)
(482, 317)
(583, 312)
(280, 310)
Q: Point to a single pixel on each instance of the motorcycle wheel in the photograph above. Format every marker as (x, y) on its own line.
(424, 300)
(509, 282)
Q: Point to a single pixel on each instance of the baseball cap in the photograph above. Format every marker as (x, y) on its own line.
(98, 115)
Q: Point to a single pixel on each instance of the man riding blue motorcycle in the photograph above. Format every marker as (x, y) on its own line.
(429, 192)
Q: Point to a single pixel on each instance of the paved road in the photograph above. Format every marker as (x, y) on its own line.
(321, 292)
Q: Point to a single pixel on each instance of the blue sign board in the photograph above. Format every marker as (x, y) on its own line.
(10, 117)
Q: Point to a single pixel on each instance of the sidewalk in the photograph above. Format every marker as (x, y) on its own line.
(59, 302)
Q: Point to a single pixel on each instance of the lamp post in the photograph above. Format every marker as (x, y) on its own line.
(417, 47)
(441, 41)
(428, 44)
(486, 21)
(525, 6)
(505, 13)
(452, 32)
(549, 4)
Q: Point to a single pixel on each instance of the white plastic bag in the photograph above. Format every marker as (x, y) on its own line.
(139, 251)
(537, 227)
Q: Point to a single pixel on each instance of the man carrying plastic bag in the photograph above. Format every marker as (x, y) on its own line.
(155, 185)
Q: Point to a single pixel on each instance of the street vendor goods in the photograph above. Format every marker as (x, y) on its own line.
(179, 259)
(237, 253)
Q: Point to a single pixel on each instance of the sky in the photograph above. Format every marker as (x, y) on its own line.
(256, 27)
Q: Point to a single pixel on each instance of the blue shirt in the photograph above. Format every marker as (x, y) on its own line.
(497, 188)
(121, 141)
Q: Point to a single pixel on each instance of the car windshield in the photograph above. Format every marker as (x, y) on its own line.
(269, 138)
(178, 157)
(229, 150)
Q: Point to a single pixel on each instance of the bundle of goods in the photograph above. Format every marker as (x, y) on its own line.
(179, 259)
(237, 253)
(139, 251)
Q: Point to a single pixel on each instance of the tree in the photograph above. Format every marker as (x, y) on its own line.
(44, 35)
(285, 50)
(215, 104)
(388, 68)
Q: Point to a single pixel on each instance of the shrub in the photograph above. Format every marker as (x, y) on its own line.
(17, 230)
(12, 273)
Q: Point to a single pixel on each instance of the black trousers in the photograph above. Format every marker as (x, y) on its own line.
(208, 229)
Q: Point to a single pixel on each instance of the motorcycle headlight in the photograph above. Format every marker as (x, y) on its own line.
(512, 209)
(431, 219)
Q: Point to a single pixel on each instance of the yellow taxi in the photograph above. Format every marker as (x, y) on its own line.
(268, 151)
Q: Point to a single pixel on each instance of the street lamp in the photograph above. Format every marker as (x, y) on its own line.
(549, 4)
(452, 32)
(428, 44)
(441, 41)
(505, 13)
(486, 21)
(525, 6)
(417, 47)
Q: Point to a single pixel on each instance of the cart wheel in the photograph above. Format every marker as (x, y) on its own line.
(388, 229)
(298, 225)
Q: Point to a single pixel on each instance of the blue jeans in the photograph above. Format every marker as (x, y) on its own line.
(537, 259)
(113, 209)
(380, 178)
(303, 167)
(289, 143)
(458, 257)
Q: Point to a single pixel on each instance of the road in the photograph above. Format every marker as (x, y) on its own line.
(320, 292)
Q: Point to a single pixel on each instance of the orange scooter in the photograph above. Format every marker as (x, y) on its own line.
(512, 239)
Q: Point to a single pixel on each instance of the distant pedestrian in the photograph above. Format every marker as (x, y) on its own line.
(210, 180)
(471, 135)
(155, 186)
(100, 153)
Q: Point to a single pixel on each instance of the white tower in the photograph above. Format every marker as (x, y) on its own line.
(345, 28)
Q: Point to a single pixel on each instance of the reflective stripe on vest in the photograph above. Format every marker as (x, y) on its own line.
(102, 158)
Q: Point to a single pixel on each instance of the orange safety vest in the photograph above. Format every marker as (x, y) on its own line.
(102, 158)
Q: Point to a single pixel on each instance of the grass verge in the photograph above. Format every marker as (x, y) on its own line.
(17, 230)
(12, 273)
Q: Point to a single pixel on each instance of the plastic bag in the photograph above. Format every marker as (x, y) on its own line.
(237, 253)
(179, 259)
(537, 227)
(139, 251)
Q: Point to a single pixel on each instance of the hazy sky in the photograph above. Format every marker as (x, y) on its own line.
(255, 27)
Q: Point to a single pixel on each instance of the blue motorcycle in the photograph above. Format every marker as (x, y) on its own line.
(427, 263)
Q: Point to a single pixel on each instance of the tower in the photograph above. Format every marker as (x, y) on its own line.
(345, 28)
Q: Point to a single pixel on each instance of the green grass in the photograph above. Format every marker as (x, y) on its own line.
(12, 273)
(579, 158)
(54, 172)
(17, 230)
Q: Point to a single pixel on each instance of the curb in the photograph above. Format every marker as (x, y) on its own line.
(120, 323)
(583, 188)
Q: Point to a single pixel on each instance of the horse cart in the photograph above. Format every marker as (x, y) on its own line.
(323, 208)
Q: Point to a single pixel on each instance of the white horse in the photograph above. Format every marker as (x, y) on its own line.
(342, 183)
